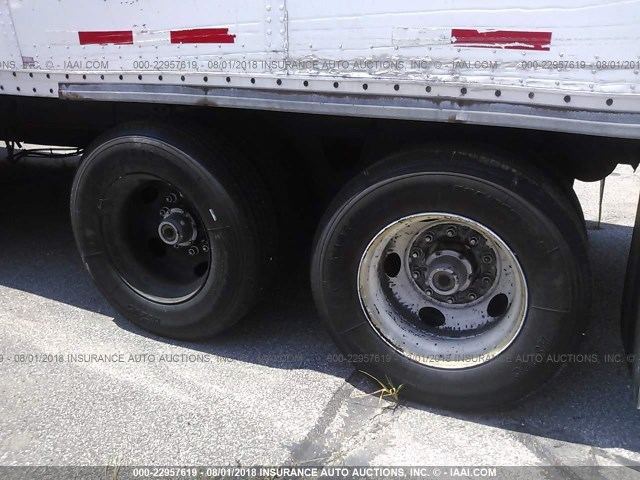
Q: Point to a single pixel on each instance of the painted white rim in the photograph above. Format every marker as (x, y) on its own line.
(469, 336)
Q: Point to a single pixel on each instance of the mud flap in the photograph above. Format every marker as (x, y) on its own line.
(631, 309)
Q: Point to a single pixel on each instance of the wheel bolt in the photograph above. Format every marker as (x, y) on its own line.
(205, 247)
(487, 258)
(415, 274)
(486, 280)
(171, 198)
(429, 238)
(429, 292)
(473, 241)
(193, 251)
(416, 253)
(450, 300)
(164, 211)
(472, 296)
(451, 232)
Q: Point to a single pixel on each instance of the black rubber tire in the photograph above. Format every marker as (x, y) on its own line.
(531, 214)
(213, 176)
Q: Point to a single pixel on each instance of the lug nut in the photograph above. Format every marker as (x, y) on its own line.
(451, 232)
(486, 280)
(472, 296)
(416, 253)
(429, 238)
(487, 258)
(415, 274)
(450, 300)
(164, 211)
(473, 241)
(205, 247)
(193, 251)
(429, 292)
(171, 198)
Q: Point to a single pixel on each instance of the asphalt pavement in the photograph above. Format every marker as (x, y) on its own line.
(79, 385)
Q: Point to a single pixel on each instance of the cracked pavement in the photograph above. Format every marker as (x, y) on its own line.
(270, 391)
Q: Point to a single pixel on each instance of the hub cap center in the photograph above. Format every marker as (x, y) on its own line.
(448, 272)
(177, 228)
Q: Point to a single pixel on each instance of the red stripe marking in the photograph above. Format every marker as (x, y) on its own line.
(115, 37)
(202, 35)
(502, 39)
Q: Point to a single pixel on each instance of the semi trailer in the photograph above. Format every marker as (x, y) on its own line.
(423, 154)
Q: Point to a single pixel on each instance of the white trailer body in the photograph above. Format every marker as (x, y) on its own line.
(567, 66)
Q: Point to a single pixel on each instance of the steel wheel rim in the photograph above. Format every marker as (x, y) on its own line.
(401, 306)
(155, 239)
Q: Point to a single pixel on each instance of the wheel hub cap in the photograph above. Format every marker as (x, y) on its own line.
(448, 272)
(177, 228)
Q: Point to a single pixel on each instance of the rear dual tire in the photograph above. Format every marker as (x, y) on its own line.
(453, 350)
(176, 231)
